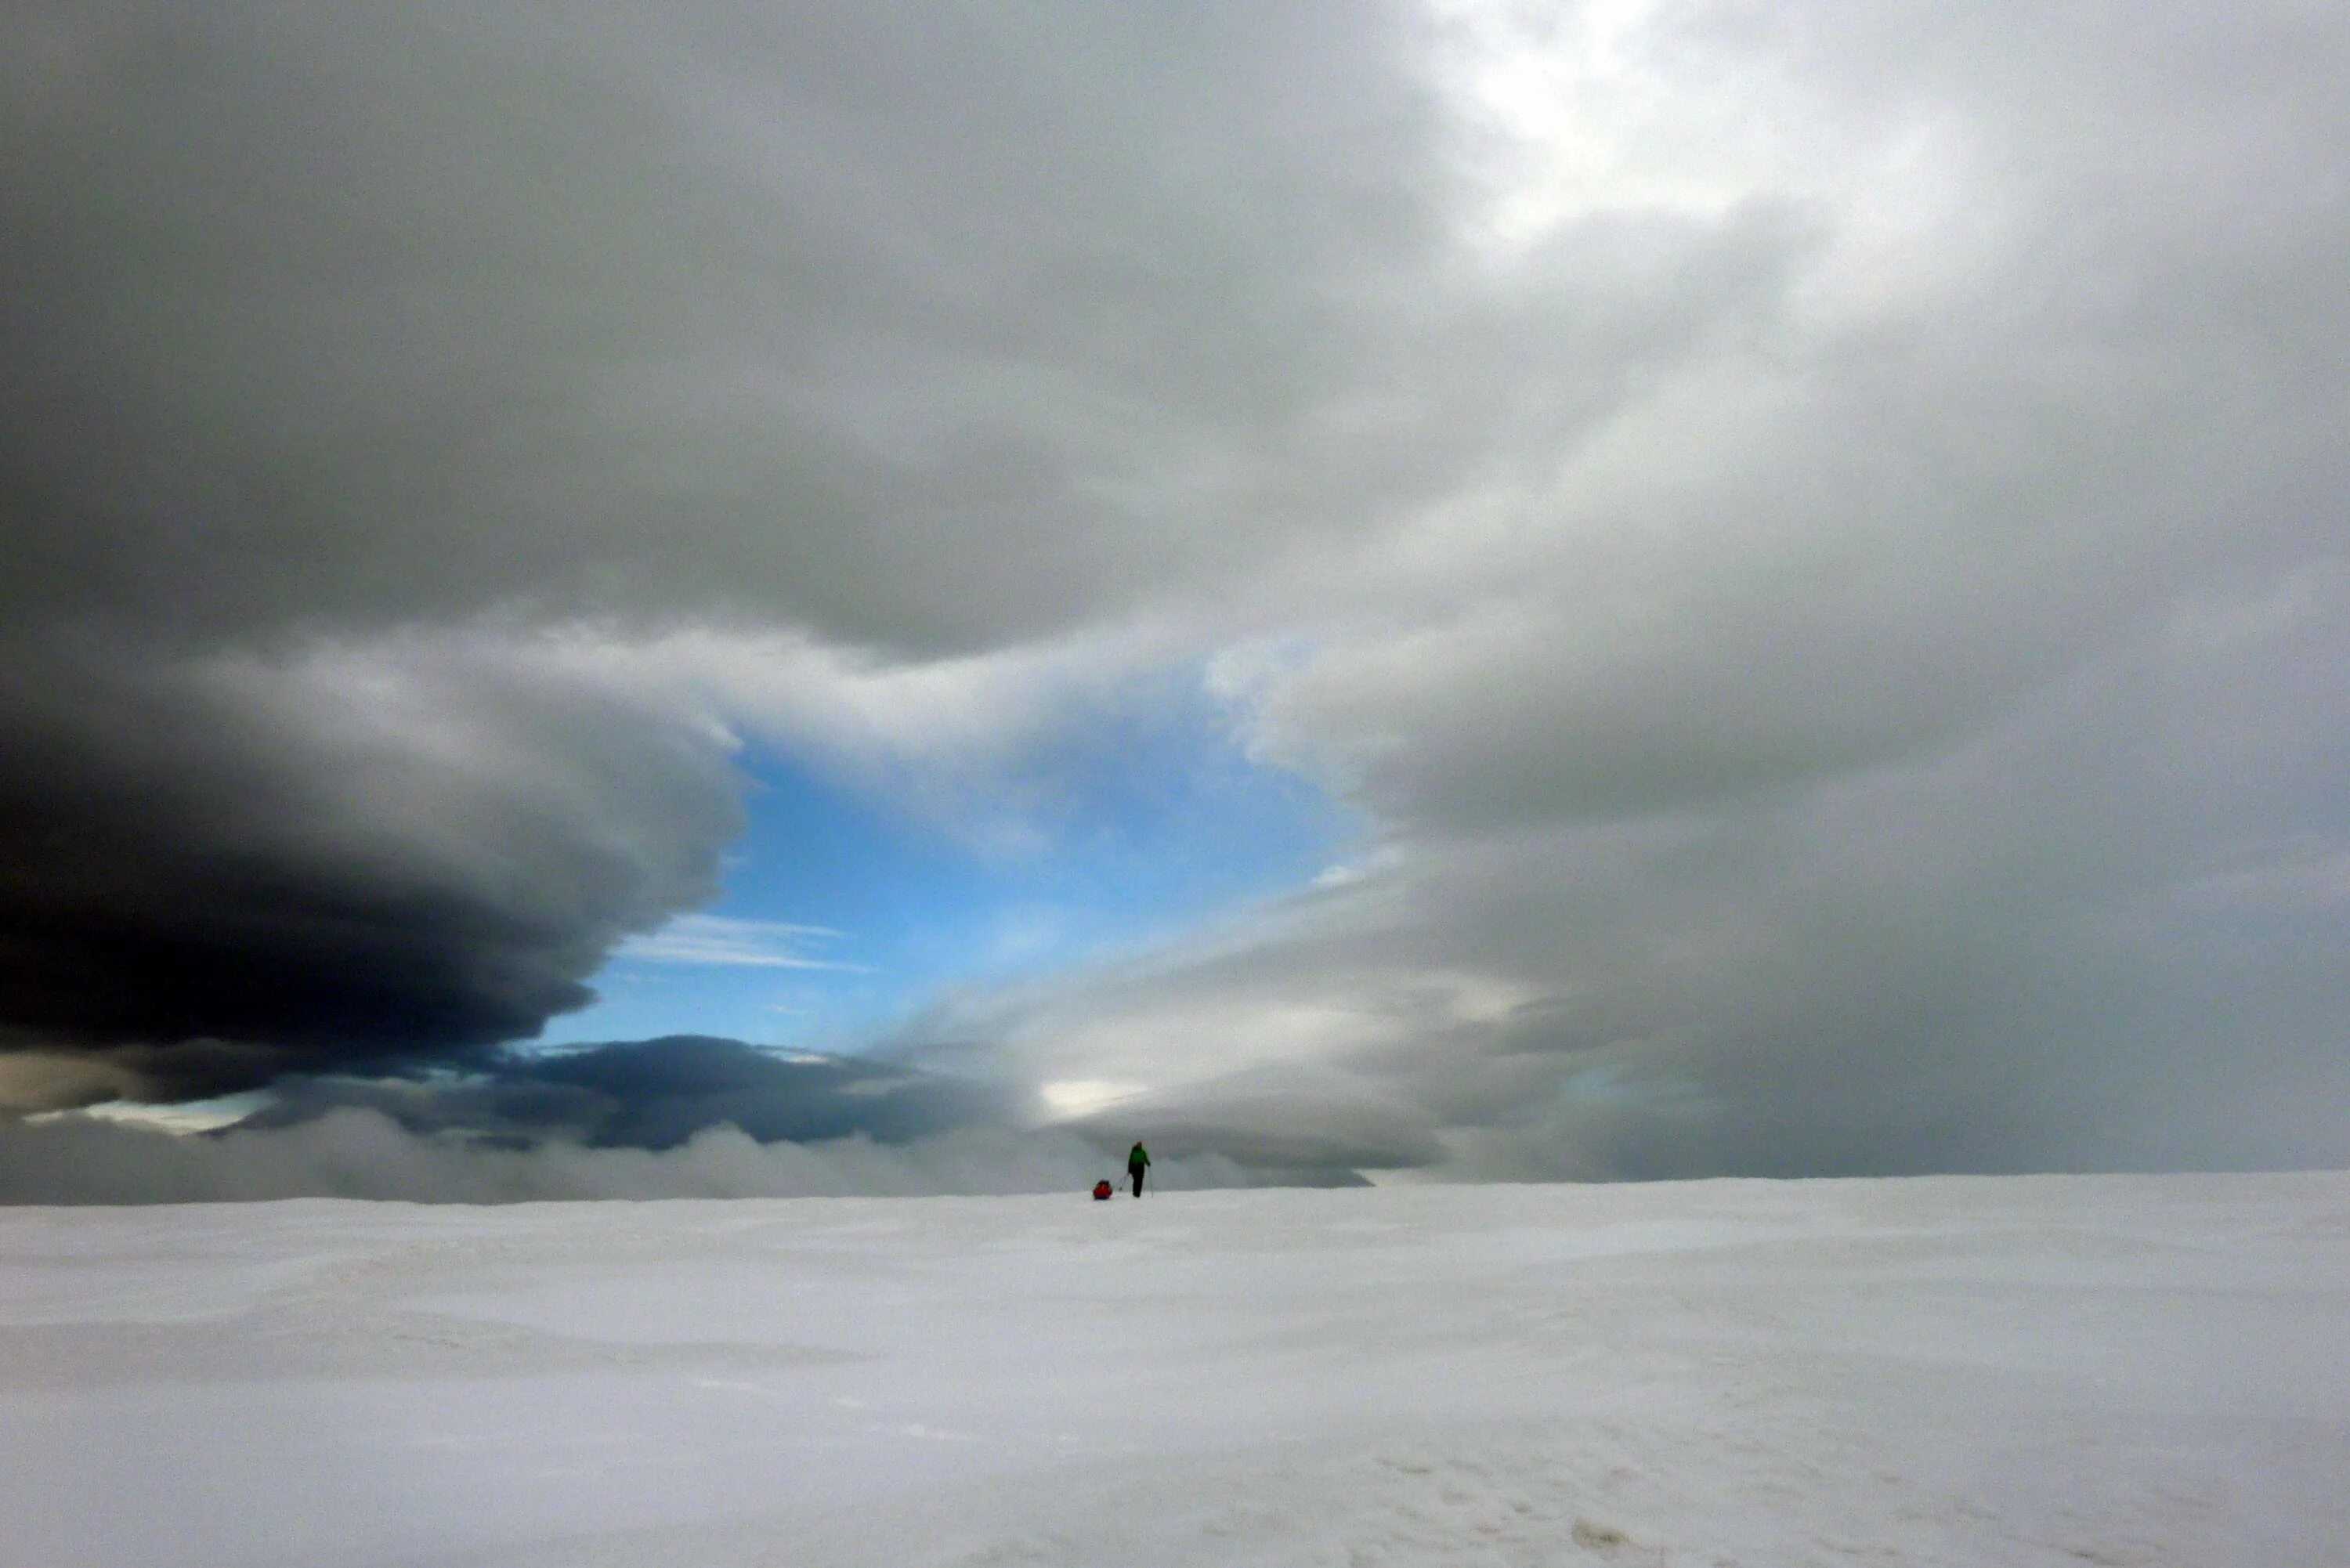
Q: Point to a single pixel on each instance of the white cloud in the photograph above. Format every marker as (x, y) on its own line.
(726, 940)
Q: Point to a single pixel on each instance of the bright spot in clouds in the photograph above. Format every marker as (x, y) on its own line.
(1082, 1097)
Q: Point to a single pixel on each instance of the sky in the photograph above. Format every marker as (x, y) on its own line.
(841, 914)
(1456, 590)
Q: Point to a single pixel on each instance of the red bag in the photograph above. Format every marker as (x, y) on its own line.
(1101, 1190)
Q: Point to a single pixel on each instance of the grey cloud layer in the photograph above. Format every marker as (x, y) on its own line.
(1818, 544)
(1903, 737)
(2105, 933)
(348, 317)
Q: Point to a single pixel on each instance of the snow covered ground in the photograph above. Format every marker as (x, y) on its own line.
(2022, 1371)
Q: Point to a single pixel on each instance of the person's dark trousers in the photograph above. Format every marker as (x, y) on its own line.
(1137, 1174)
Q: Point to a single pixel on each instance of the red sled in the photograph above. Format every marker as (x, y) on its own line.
(1101, 1191)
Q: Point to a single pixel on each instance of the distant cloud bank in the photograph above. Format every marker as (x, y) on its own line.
(680, 1117)
(356, 1153)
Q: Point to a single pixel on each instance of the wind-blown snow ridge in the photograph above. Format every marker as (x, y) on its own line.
(2020, 1371)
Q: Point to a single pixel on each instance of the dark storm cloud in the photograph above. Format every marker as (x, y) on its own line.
(220, 873)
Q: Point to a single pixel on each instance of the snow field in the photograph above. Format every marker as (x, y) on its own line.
(2142, 1370)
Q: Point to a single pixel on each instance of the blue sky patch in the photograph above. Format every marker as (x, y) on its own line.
(849, 900)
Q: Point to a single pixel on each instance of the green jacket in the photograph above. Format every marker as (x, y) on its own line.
(1137, 1159)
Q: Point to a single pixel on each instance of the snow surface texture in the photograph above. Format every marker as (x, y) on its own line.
(2011, 1371)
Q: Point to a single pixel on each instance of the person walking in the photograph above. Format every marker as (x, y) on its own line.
(1137, 1162)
